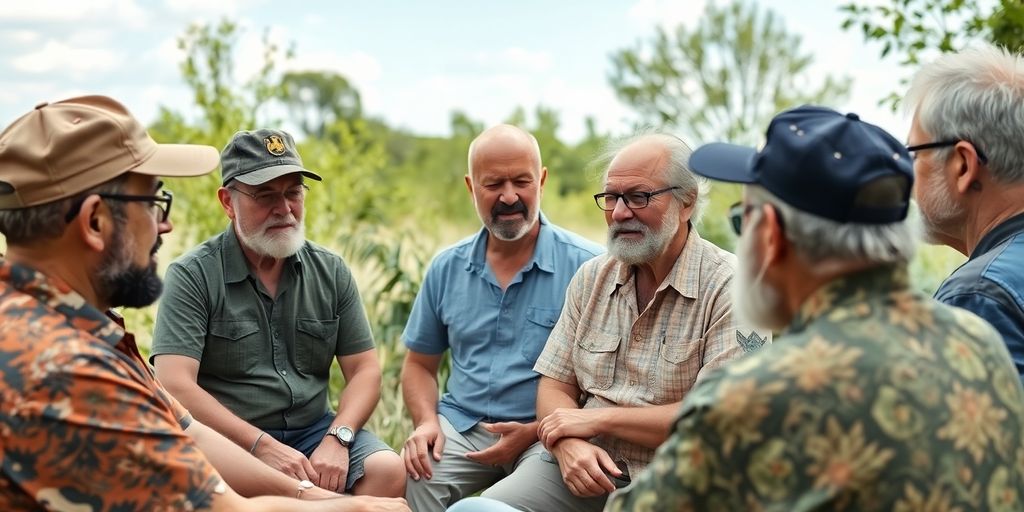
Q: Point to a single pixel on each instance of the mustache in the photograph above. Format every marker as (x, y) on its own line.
(501, 208)
(157, 245)
(629, 225)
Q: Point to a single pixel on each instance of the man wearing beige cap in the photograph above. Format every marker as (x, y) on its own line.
(84, 424)
(252, 320)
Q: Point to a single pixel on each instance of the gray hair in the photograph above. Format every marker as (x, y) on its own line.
(24, 226)
(976, 95)
(818, 239)
(693, 189)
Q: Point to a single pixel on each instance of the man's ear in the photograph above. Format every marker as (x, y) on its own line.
(94, 223)
(773, 238)
(543, 176)
(469, 184)
(966, 167)
(224, 196)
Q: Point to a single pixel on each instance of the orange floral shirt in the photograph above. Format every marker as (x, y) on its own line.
(83, 422)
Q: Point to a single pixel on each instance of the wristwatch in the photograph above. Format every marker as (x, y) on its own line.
(304, 485)
(344, 435)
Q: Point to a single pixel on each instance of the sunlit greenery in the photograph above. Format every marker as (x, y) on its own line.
(390, 199)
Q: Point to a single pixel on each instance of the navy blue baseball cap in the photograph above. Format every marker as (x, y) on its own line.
(820, 162)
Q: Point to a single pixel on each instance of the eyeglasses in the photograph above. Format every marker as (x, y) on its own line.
(739, 210)
(634, 200)
(271, 198)
(160, 204)
(946, 143)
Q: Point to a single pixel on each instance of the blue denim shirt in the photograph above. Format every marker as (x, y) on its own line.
(991, 283)
(494, 336)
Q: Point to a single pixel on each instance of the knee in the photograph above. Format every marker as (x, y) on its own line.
(384, 474)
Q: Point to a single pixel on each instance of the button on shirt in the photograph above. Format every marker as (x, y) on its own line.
(83, 422)
(267, 359)
(494, 336)
(621, 357)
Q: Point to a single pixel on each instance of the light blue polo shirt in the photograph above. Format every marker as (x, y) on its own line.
(494, 337)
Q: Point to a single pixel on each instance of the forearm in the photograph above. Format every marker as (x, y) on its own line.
(358, 400)
(208, 410)
(243, 472)
(419, 391)
(553, 394)
(646, 426)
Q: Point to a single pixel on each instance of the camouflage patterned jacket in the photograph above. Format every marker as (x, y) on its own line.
(875, 398)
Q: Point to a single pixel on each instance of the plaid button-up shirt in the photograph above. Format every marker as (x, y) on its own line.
(620, 356)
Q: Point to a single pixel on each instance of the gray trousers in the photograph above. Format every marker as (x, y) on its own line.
(455, 475)
(536, 485)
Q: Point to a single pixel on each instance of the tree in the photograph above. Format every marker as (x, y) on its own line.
(912, 29)
(723, 79)
(316, 99)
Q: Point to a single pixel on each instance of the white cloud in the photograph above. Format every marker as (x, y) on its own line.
(58, 56)
(667, 14)
(21, 37)
(125, 12)
(359, 67)
(205, 8)
(514, 59)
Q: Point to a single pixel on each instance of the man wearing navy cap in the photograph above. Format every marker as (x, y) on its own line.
(252, 319)
(874, 397)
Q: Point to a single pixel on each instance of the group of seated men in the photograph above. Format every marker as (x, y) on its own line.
(637, 376)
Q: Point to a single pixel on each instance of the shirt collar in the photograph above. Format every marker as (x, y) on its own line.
(58, 295)
(543, 252)
(236, 267)
(850, 290)
(999, 234)
(684, 277)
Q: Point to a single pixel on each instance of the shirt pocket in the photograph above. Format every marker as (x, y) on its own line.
(231, 348)
(539, 322)
(315, 343)
(678, 363)
(594, 361)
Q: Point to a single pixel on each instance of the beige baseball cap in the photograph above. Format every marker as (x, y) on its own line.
(60, 149)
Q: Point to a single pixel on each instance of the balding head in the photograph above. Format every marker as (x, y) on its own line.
(506, 181)
(504, 142)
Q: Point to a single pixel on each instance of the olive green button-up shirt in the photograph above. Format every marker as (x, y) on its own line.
(267, 359)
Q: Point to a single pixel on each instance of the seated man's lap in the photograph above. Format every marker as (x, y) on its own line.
(537, 486)
(306, 440)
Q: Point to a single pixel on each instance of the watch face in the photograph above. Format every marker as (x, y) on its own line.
(306, 484)
(345, 434)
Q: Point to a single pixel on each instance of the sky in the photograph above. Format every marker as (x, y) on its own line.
(413, 62)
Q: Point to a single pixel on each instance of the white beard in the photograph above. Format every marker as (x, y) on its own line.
(755, 302)
(648, 248)
(278, 246)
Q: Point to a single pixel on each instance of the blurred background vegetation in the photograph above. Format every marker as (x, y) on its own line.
(391, 199)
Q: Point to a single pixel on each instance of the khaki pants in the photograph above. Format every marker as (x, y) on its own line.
(536, 485)
(456, 476)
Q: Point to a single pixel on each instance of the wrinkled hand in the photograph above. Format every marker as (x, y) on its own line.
(426, 441)
(374, 504)
(515, 437)
(285, 459)
(330, 460)
(562, 423)
(583, 466)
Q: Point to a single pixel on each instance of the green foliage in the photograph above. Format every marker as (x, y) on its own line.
(912, 29)
(318, 99)
(722, 80)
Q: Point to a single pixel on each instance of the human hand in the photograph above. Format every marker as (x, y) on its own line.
(583, 466)
(567, 422)
(425, 441)
(285, 459)
(330, 460)
(515, 437)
